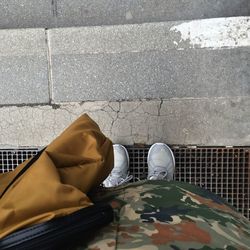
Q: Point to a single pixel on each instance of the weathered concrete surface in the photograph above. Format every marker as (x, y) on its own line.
(214, 33)
(213, 121)
(23, 67)
(26, 14)
(65, 13)
(202, 58)
(110, 12)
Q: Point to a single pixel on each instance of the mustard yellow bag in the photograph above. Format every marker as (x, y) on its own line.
(44, 202)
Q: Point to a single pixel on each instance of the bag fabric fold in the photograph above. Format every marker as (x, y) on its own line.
(58, 182)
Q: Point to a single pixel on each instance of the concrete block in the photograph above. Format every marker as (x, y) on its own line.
(26, 14)
(110, 12)
(203, 121)
(23, 67)
(171, 74)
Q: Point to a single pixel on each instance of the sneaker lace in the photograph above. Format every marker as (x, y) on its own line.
(159, 173)
(114, 180)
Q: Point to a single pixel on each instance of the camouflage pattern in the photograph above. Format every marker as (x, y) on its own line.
(153, 215)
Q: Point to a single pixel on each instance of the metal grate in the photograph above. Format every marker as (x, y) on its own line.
(10, 158)
(224, 171)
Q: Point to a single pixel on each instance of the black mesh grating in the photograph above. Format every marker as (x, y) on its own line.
(10, 158)
(224, 171)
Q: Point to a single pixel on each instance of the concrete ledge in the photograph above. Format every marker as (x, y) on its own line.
(23, 67)
(216, 33)
(110, 12)
(202, 58)
(216, 121)
(65, 13)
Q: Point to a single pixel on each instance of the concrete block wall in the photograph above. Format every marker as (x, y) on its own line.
(114, 63)
(184, 82)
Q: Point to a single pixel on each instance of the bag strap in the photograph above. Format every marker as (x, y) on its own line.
(28, 165)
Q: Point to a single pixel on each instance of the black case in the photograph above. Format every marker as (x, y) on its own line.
(60, 233)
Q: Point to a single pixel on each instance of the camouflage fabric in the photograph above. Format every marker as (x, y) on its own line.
(154, 215)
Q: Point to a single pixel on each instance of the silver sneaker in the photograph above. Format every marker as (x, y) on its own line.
(161, 162)
(120, 173)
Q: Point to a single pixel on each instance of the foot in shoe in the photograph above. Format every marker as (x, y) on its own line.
(120, 173)
(161, 162)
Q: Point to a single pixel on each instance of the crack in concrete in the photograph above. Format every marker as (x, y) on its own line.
(159, 108)
(116, 118)
(143, 121)
(177, 99)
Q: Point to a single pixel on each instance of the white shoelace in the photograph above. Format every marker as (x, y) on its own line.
(114, 180)
(158, 174)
